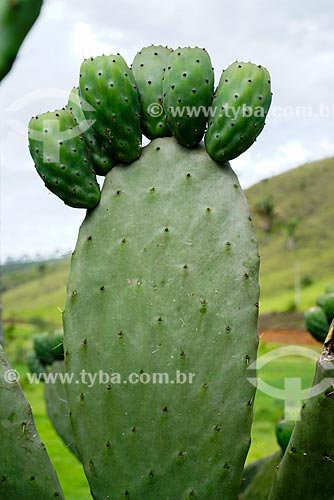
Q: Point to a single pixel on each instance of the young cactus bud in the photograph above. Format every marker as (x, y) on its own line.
(240, 107)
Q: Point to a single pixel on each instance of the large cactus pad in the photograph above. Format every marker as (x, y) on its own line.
(164, 278)
(26, 472)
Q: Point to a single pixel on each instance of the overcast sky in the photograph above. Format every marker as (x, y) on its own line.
(292, 38)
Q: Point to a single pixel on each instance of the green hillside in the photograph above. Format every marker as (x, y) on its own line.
(302, 197)
(292, 270)
(35, 293)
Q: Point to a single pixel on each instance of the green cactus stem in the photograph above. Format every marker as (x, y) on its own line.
(16, 19)
(26, 472)
(258, 477)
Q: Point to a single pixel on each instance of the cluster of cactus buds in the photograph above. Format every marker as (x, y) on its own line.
(165, 92)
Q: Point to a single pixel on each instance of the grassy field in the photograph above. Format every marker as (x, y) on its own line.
(266, 412)
(36, 293)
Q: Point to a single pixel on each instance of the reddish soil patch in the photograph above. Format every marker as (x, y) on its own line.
(287, 337)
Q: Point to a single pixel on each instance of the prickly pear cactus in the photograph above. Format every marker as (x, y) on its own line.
(148, 68)
(108, 86)
(174, 288)
(101, 159)
(240, 106)
(16, 19)
(49, 351)
(162, 299)
(25, 469)
(188, 89)
(316, 323)
(258, 477)
(307, 468)
(62, 159)
(326, 302)
(283, 431)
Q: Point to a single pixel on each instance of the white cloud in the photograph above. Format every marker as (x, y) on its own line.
(87, 42)
(252, 167)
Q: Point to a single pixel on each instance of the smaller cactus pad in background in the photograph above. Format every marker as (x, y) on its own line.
(25, 469)
(48, 347)
(258, 477)
(316, 323)
(283, 431)
(326, 302)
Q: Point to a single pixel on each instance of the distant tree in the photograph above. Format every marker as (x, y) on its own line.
(290, 226)
(306, 281)
(41, 267)
(265, 208)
